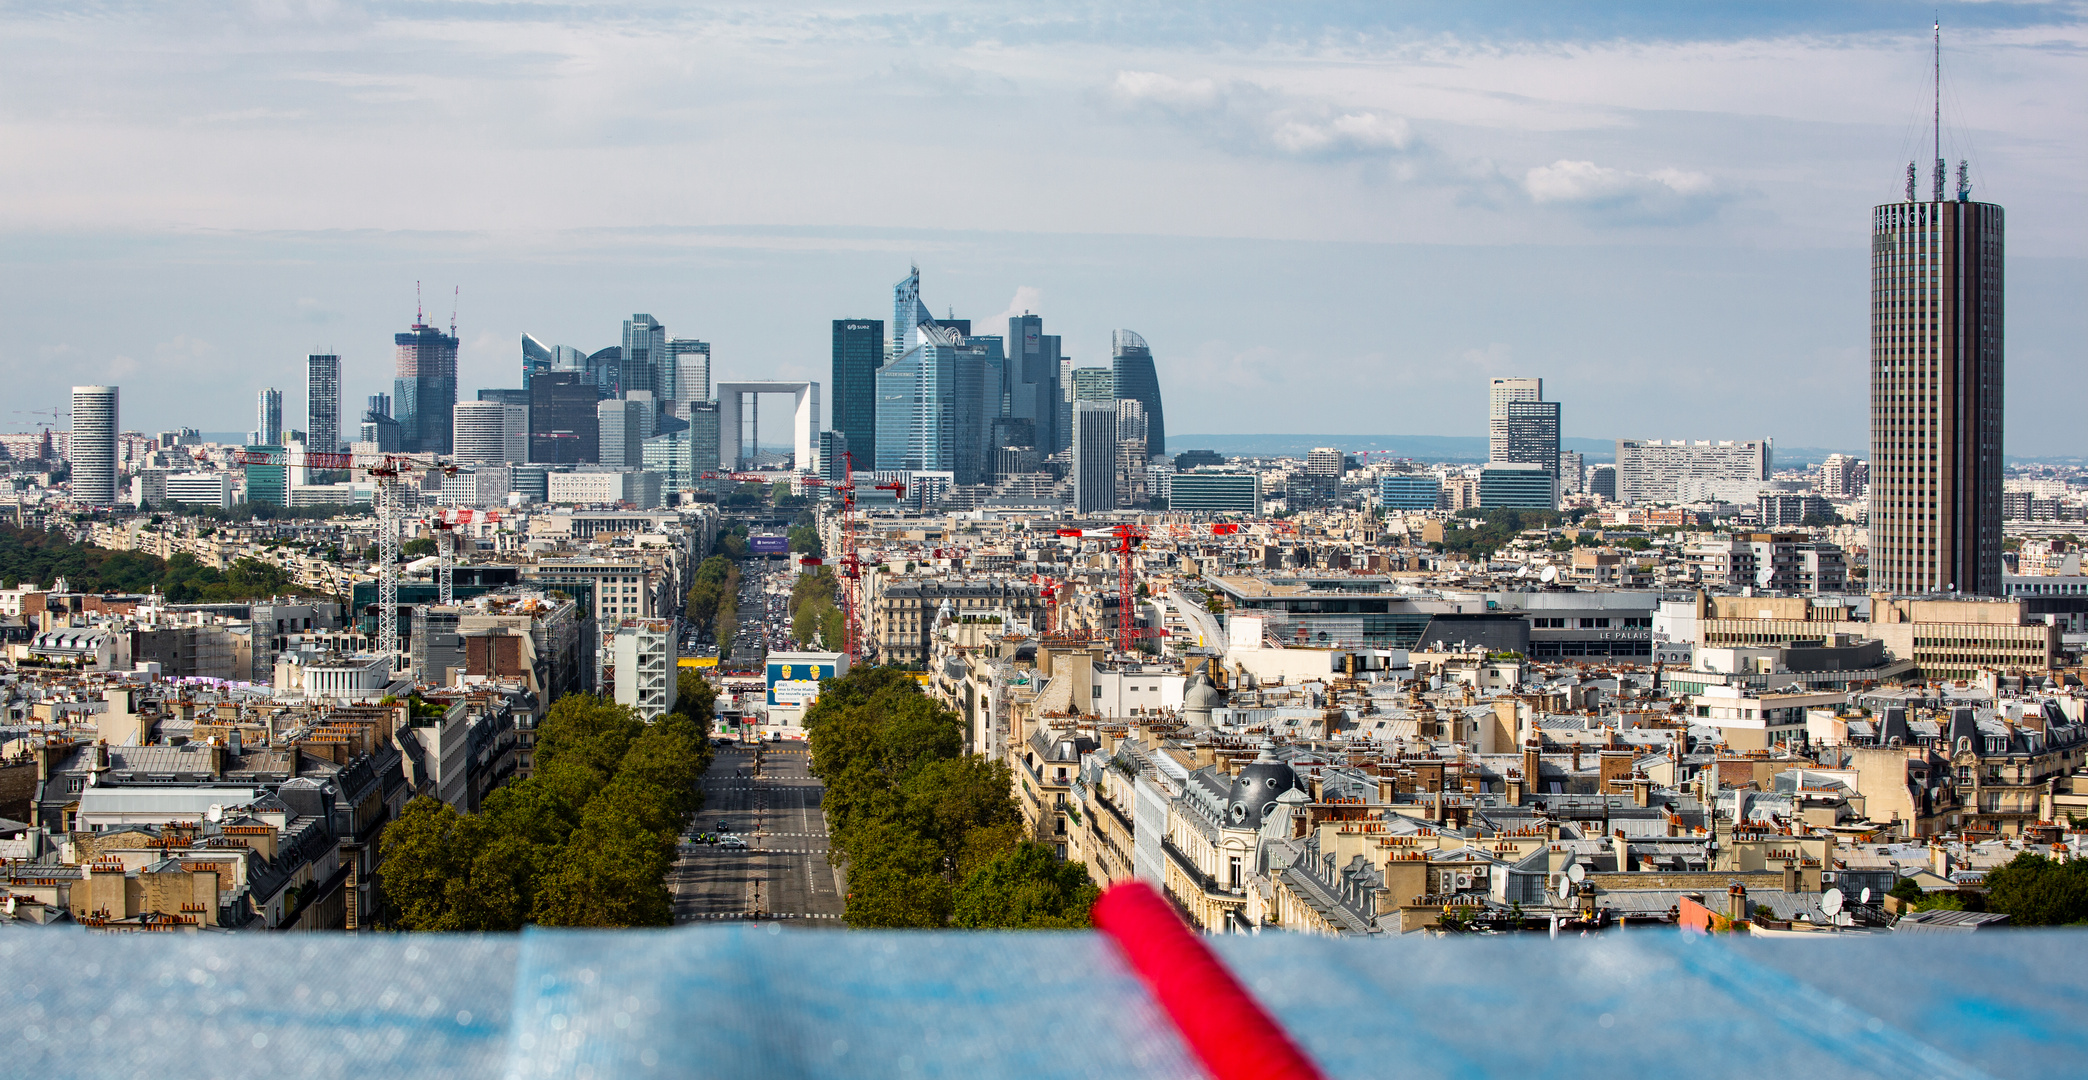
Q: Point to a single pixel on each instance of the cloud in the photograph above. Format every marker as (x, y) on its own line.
(1028, 300)
(1663, 195)
(1244, 117)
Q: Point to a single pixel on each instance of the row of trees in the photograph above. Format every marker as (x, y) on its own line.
(929, 836)
(1493, 530)
(2030, 888)
(813, 612)
(713, 601)
(28, 555)
(586, 840)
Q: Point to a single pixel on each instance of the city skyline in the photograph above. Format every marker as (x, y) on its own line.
(1524, 212)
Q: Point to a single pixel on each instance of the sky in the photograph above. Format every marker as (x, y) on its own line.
(1333, 217)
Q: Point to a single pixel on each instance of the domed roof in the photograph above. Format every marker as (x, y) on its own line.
(1200, 694)
(1255, 789)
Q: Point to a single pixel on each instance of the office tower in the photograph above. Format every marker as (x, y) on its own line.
(978, 366)
(378, 428)
(908, 313)
(268, 416)
(1032, 390)
(605, 369)
(690, 360)
(1602, 482)
(1649, 470)
(1132, 431)
(267, 478)
(536, 356)
(424, 389)
(1215, 492)
(1324, 461)
(1409, 491)
(562, 425)
(323, 402)
(94, 426)
(1936, 374)
(917, 404)
(492, 433)
(859, 350)
(1094, 456)
(1517, 486)
(503, 394)
(1521, 427)
(646, 366)
(1094, 384)
(1131, 365)
(704, 437)
(622, 431)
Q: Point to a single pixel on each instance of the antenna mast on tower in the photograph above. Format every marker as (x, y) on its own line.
(420, 318)
(456, 296)
(1939, 110)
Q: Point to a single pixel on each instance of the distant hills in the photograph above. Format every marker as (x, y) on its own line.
(1465, 448)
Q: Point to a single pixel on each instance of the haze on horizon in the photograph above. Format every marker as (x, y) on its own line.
(1341, 219)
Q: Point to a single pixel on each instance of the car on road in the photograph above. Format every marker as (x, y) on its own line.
(732, 843)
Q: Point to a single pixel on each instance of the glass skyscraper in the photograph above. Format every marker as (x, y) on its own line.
(1032, 380)
(562, 425)
(916, 406)
(859, 350)
(1131, 362)
(646, 364)
(424, 390)
(268, 416)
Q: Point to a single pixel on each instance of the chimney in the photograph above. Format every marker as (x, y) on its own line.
(1790, 868)
(1533, 760)
(1736, 902)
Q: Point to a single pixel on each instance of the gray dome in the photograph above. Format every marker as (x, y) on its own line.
(1200, 695)
(1255, 789)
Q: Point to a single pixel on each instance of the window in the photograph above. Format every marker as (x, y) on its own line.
(1590, 624)
(1233, 871)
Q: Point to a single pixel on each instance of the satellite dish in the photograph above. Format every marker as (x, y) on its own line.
(1577, 873)
(1866, 896)
(215, 814)
(1831, 901)
(1561, 886)
(1550, 574)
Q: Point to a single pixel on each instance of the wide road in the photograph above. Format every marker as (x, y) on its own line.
(783, 874)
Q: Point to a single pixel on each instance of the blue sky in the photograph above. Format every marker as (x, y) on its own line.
(1337, 218)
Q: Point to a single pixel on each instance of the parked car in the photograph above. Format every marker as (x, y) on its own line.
(732, 843)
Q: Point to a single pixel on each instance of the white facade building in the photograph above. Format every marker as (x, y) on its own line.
(646, 667)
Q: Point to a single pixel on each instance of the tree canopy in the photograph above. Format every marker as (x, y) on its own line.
(587, 840)
(930, 835)
(2037, 891)
(32, 555)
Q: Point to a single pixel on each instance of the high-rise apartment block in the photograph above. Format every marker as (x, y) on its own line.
(424, 389)
(268, 416)
(1652, 471)
(1521, 427)
(1324, 461)
(1936, 392)
(1843, 476)
(1134, 377)
(323, 402)
(859, 350)
(93, 448)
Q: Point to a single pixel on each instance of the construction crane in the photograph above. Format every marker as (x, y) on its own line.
(1128, 538)
(387, 472)
(445, 526)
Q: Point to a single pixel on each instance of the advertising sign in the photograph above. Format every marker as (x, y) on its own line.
(796, 684)
(768, 544)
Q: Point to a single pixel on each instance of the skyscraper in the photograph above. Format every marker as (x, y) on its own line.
(623, 430)
(1521, 427)
(1033, 392)
(1094, 456)
(424, 389)
(646, 366)
(323, 402)
(94, 426)
(492, 433)
(562, 425)
(859, 350)
(691, 361)
(1936, 371)
(268, 416)
(378, 428)
(536, 356)
(917, 404)
(908, 314)
(1131, 363)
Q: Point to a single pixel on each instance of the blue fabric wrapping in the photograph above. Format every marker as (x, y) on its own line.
(755, 1001)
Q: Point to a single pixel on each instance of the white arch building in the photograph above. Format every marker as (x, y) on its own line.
(736, 441)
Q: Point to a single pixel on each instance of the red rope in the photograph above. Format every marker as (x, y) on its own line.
(1234, 1037)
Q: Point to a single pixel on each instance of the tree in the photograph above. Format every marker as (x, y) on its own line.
(2036, 891)
(613, 870)
(419, 861)
(695, 698)
(1029, 888)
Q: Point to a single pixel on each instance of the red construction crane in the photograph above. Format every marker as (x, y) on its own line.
(1128, 538)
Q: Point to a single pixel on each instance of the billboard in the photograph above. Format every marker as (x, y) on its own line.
(795, 683)
(768, 544)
